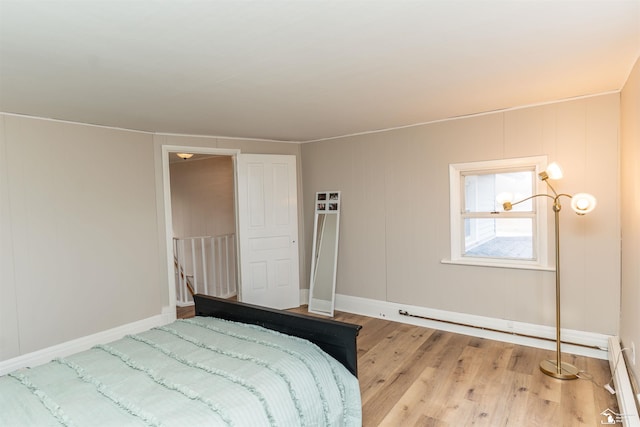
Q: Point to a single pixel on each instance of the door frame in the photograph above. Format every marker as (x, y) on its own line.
(166, 150)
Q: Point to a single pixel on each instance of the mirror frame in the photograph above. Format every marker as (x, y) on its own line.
(326, 203)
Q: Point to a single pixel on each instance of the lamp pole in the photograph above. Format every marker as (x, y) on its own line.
(558, 369)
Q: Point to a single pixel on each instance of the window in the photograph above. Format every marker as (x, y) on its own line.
(482, 233)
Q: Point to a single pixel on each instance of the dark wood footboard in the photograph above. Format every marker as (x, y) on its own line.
(337, 339)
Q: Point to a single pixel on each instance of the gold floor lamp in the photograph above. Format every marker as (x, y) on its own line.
(581, 203)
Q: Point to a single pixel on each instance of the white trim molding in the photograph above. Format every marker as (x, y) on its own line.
(588, 344)
(304, 296)
(45, 355)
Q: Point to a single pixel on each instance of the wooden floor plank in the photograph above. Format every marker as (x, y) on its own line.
(410, 408)
(391, 364)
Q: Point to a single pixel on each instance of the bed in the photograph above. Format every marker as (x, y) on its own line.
(232, 365)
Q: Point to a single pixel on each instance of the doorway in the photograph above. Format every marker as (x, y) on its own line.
(178, 295)
(270, 273)
(204, 225)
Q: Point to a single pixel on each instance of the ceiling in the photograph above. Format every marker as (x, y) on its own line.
(305, 70)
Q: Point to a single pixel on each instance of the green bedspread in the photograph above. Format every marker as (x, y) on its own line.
(196, 372)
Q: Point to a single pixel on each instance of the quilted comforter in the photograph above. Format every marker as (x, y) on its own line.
(195, 372)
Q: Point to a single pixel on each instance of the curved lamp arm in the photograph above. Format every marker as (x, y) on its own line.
(581, 203)
(507, 206)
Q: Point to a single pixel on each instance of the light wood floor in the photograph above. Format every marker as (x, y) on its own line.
(413, 376)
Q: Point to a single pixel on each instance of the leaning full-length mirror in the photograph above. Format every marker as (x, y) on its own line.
(324, 259)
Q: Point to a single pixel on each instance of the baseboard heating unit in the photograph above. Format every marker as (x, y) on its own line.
(628, 414)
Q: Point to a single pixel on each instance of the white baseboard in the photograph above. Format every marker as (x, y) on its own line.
(84, 343)
(304, 296)
(437, 319)
(622, 384)
(168, 314)
(584, 343)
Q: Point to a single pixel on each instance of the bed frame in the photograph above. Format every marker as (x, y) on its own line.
(338, 339)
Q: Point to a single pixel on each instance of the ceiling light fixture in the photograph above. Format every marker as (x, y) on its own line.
(184, 156)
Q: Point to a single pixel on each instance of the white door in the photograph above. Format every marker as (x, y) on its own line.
(268, 230)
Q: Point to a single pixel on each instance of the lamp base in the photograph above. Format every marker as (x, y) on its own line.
(567, 370)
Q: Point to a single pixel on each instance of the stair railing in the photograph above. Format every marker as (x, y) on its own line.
(206, 265)
(183, 278)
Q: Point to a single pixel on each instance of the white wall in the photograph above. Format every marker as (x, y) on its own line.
(630, 208)
(395, 213)
(82, 222)
(83, 228)
(79, 232)
(203, 197)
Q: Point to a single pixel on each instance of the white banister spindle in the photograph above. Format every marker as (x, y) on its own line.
(183, 273)
(194, 270)
(214, 266)
(204, 264)
(218, 263)
(234, 280)
(176, 269)
(226, 264)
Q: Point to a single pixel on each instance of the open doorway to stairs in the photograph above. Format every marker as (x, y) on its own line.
(203, 225)
(265, 213)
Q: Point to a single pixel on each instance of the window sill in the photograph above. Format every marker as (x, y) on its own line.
(498, 264)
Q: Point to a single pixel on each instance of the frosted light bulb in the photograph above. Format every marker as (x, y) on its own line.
(554, 171)
(583, 203)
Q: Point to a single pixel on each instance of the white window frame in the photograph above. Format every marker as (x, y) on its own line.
(457, 171)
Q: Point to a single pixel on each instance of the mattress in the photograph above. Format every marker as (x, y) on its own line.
(193, 372)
